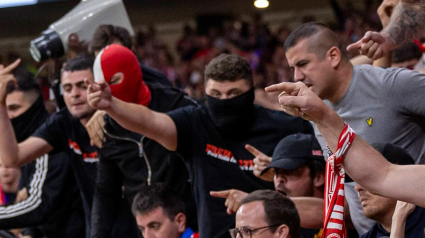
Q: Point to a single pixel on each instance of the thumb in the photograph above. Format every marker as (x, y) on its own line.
(220, 194)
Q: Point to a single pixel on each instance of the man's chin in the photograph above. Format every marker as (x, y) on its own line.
(82, 115)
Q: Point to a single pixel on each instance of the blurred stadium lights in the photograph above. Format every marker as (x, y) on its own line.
(261, 3)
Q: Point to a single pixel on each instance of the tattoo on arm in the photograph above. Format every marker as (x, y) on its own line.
(407, 21)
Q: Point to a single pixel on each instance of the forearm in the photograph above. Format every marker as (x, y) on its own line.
(361, 161)
(8, 144)
(397, 227)
(157, 126)
(310, 210)
(361, 59)
(407, 21)
(383, 62)
(367, 166)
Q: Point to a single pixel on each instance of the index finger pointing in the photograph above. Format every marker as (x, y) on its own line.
(253, 150)
(220, 194)
(287, 87)
(355, 46)
(11, 67)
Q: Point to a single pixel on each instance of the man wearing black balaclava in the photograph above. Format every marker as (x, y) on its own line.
(211, 139)
(53, 204)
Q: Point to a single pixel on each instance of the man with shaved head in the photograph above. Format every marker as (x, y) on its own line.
(381, 105)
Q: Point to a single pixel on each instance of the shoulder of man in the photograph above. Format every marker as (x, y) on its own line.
(154, 76)
(165, 98)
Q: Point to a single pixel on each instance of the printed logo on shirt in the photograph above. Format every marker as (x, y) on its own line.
(369, 121)
(226, 155)
(87, 157)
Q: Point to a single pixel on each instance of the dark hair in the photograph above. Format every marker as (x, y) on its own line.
(25, 81)
(105, 35)
(158, 195)
(316, 166)
(78, 64)
(228, 67)
(278, 210)
(327, 39)
(406, 52)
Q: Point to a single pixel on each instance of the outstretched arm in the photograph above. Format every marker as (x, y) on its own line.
(157, 126)
(406, 23)
(13, 154)
(363, 163)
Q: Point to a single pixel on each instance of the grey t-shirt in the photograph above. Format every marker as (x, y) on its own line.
(384, 105)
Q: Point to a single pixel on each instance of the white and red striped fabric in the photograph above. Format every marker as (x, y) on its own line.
(333, 217)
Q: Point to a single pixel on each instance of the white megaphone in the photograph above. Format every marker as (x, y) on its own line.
(81, 20)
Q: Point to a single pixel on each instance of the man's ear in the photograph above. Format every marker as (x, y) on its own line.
(319, 180)
(117, 78)
(283, 231)
(334, 55)
(180, 219)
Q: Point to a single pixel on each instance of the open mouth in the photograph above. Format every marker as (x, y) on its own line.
(282, 192)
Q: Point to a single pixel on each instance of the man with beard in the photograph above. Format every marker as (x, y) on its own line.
(49, 179)
(381, 209)
(64, 131)
(211, 139)
(299, 171)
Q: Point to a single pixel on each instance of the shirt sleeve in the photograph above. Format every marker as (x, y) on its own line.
(405, 91)
(182, 117)
(54, 131)
(44, 190)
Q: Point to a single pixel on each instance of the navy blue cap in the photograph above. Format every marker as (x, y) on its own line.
(295, 150)
(394, 154)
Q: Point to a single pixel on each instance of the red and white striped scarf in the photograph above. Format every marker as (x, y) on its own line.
(333, 217)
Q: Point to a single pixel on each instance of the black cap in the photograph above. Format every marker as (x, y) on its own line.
(393, 153)
(295, 150)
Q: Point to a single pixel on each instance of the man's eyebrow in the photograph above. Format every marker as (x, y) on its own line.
(233, 90)
(301, 62)
(153, 222)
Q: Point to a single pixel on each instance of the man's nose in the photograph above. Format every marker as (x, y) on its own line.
(75, 92)
(298, 75)
(359, 188)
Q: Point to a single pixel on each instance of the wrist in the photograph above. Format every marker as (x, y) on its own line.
(330, 119)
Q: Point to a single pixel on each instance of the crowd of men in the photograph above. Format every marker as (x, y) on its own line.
(132, 156)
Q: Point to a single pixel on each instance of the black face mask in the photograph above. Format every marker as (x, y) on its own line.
(25, 124)
(232, 115)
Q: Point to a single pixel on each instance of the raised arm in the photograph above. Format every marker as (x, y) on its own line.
(363, 163)
(406, 23)
(157, 126)
(13, 154)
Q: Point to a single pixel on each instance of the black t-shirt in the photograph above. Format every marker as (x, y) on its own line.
(65, 133)
(219, 163)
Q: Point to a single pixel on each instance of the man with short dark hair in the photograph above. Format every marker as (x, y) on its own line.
(48, 180)
(299, 171)
(64, 131)
(267, 213)
(210, 139)
(381, 209)
(368, 98)
(160, 213)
